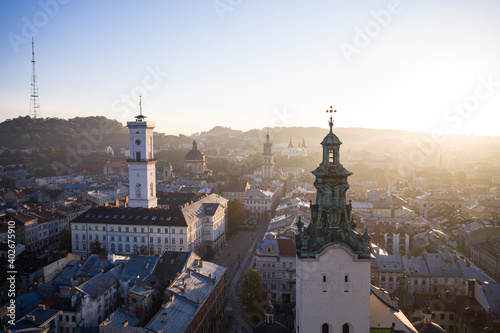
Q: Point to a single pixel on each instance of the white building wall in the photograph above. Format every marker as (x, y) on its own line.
(328, 302)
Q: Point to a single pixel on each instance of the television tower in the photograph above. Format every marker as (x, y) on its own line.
(34, 103)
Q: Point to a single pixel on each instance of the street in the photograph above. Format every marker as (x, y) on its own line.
(237, 257)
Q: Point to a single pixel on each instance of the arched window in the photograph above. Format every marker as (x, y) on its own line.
(120, 248)
(345, 328)
(151, 189)
(138, 190)
(325, 328)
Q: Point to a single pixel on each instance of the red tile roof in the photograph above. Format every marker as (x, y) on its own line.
(286, 246)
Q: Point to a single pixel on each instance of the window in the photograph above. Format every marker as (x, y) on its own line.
(345, 328)
(166, 240)
(324, 283)
(173, 230)
(142, 229)
(331, 156)
(151, 240)
(90, 237)
(181, 231)
(135, 229)
(325, 328)
(76, 236)
(112, 238)
(90, 227)
(159, 240)
(173, 240)
(346, 284)
(126, 229)
(181, 241)
(158, 229)
(135, 238)
(442, 317)
(452, 317)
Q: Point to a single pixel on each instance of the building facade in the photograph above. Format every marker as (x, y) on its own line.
(136, 230)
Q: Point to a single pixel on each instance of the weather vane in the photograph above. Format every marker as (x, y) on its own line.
(331, 110)
(140, 117)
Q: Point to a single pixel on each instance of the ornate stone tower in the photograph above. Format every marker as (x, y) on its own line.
(333, 260)
(141, 165)
(268, 159)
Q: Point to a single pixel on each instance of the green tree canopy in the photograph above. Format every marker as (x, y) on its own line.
(65, 240)
(236, 215)
(96, 248)
(250, 293)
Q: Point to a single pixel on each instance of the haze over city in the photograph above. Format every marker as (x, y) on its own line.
(411, 65)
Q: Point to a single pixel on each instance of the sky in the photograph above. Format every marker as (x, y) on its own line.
(424, 65)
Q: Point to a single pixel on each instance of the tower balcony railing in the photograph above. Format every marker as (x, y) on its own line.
(141, 160)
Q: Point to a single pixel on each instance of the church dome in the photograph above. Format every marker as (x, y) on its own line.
(194, 154)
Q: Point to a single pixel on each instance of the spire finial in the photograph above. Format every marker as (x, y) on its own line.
(140, 117)
(331, 110)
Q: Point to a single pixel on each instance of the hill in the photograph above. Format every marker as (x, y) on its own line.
(26, 132)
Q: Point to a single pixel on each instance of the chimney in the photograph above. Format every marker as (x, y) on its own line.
(111, 257)
(41, 307)
(125, 323)
(164, 317)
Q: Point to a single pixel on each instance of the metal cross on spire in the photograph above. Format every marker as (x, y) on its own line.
(330, 122)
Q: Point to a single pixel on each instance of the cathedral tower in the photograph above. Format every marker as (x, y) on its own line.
(333, 260)
(141, 165)
(268, 159)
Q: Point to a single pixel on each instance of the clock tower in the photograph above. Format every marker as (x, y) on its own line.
(141, 165)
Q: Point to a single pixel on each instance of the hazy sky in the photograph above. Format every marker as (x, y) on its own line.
(415, 65)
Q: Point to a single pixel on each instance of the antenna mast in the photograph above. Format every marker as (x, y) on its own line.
(34, 102)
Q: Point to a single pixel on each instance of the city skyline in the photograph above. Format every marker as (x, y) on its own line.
(405, 65)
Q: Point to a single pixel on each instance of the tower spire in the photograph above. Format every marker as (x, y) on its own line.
(34, 102)
(140, 117)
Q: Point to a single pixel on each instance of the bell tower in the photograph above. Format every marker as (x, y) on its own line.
(141, 165)
(268, 159)
(333, 260)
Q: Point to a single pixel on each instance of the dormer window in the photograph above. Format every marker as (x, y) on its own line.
(331, 156)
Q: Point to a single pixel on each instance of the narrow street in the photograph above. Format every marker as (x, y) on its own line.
(237, 256)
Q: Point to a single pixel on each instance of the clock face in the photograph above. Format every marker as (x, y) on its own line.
(138, 142)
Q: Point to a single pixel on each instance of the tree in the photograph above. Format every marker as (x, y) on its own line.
(236, 215)
(8, 182)
(250, 293)
(96, 247)
(65, 240)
